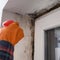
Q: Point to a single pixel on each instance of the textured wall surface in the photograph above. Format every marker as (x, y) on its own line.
(23, 50)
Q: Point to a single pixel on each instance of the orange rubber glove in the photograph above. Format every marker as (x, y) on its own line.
(12, 33)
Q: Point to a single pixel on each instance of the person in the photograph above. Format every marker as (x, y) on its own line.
(10, 35)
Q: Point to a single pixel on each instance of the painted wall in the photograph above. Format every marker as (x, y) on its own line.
(48, 21)
(2, 4)
(29, 6)
(23, 50)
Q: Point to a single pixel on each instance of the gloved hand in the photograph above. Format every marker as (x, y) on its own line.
(11, 33)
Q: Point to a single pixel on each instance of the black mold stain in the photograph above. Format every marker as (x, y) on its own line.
(36, 14)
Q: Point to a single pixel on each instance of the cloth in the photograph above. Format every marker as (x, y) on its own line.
(12, 33)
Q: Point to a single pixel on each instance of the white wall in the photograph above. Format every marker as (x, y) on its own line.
(45, 22)
(2, 4)
(23, 50)
(29, 6)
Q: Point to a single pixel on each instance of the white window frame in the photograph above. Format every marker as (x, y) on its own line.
(43, 23)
